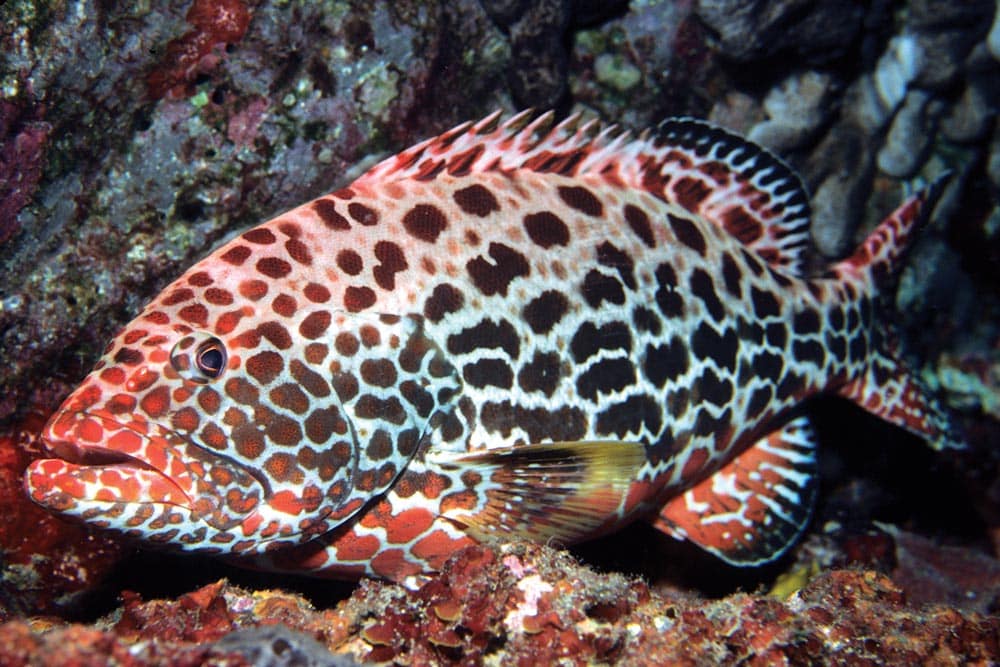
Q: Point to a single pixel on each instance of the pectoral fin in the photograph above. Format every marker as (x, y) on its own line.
(555, 492)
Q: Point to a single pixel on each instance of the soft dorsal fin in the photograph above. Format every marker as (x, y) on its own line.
(562, 492)
(716, 175)
(751, 510)
(739, 186)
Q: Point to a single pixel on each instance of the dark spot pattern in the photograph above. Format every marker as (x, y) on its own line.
(777, 334)
(759, 400)
(668, 298)
(561, 425)
(546, 229)
(809, 351)
(703, 287)
(392, 262)
(610, 256)
(581, 199)
(688, 233)
(443, 300)
(630, 416)
(765, 304)
(487, 334)
(349, 262)
(669, 361)
(299, 252)
(315, 324)
(362, 214)
(545, 310)
(378, 372)
(645, 320)
(767, 365)
(639, 223)
(358, 298)
(236, 255)
(599, 287)
(260, 236)
(805, 322)
(709, 387)
(273, 267)
(731, 275)
(604, 377)
(327, 212)
(541, 374)
(589, 340)
(707, 343)
(489, 372)
(495, 277)
(476, 200)
(425, 222)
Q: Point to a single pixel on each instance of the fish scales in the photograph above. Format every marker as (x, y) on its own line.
(509, 330)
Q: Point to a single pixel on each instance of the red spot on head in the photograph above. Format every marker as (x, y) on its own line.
(218, 297)
(298, 251)
(328, 214)
(158, 317)
(358, 298)
(253, 289)
(177, 296)
(236, 255)
(284, 305)
(134, 336)
(315, 324)
(228, 321)
(273, 267)
(156, 402)
(260, 236)
(290, 229)
(317, 293)
(200, 279)
(113, 375)
(196, 314)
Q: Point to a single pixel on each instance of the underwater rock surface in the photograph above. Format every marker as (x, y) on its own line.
(522, 604)
(135, 138)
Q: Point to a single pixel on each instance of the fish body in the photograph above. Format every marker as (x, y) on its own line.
(509, 330)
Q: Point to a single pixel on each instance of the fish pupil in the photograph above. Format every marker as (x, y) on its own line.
(211, 359)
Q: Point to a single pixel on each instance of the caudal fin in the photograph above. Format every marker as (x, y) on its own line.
(886, 387)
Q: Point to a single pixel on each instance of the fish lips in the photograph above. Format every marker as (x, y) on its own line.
(102, 464)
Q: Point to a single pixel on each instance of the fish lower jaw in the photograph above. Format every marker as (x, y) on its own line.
(75, 488)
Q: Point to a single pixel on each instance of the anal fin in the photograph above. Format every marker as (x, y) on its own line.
(754, 508)
(561, 492)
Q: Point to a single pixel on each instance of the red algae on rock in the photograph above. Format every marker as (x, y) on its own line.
(528, 604)
(46, 562)
(23, 141)
(216, 23)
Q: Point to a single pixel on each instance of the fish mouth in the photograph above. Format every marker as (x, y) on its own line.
(99, 460)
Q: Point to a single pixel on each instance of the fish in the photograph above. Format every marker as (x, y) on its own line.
(518, 329)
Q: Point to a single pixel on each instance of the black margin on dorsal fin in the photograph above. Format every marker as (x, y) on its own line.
(708, 168)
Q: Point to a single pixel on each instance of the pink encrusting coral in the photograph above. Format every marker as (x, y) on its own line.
(23, 141)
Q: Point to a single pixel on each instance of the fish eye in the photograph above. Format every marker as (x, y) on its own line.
(211, 358)
(199, 357)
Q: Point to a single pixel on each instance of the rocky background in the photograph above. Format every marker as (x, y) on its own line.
(136, 136)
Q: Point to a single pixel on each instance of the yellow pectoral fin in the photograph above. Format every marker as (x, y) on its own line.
(561, 492)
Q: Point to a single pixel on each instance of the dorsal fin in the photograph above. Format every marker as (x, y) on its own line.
(739, 186)
(716, 175)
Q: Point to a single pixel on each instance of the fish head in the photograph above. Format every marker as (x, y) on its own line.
(232, 416)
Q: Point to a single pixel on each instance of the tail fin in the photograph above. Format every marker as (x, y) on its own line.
(886, 388)
(879, 258)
